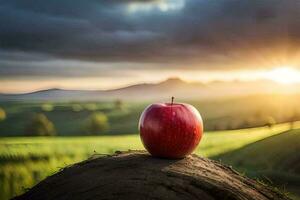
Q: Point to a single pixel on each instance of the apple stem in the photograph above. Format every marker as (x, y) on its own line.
(172, 101)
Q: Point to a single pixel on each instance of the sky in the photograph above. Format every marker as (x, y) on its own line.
(103, 44)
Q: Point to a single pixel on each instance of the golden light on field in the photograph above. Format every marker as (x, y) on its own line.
(284, 75)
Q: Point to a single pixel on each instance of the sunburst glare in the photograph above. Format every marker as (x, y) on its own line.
(284, 75)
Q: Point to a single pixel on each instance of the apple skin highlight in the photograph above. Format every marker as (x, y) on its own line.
(170, 130)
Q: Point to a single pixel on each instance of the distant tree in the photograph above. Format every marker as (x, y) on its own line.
(293, 118)
(2, 114)
(119, 104)
(232, 124)
(40, 125)
(246, 123)
(77, 107)
(47, 107)
(270, 121)
(219, 126)
(96, 123)
(91, 106)
(215, 127)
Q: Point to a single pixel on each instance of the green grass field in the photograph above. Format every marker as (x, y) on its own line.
(24, 161)
(221, 114)
(275, 160)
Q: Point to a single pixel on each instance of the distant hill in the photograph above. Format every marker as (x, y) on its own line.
(161, 91)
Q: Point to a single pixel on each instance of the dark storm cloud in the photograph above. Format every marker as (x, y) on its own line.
(63, 68)
(211, 32)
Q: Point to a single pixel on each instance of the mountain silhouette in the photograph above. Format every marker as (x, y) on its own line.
(158, 91)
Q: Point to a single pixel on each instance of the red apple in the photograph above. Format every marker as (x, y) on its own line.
(170, 130)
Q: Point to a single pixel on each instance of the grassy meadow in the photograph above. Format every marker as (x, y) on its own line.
(24, 161)
(253, 134)
(275, 160)
(69, 118)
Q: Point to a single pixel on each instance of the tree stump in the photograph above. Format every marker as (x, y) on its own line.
(137, 175)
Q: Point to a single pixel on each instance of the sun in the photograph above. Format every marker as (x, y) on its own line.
(284, 75)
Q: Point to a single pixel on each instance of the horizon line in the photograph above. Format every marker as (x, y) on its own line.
(141, 83)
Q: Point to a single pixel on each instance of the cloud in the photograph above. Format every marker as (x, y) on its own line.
(62, 68)
(175, 33)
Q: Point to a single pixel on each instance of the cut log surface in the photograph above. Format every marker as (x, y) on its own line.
(137, 175)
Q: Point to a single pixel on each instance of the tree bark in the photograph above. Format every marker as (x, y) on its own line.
(137, 175)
